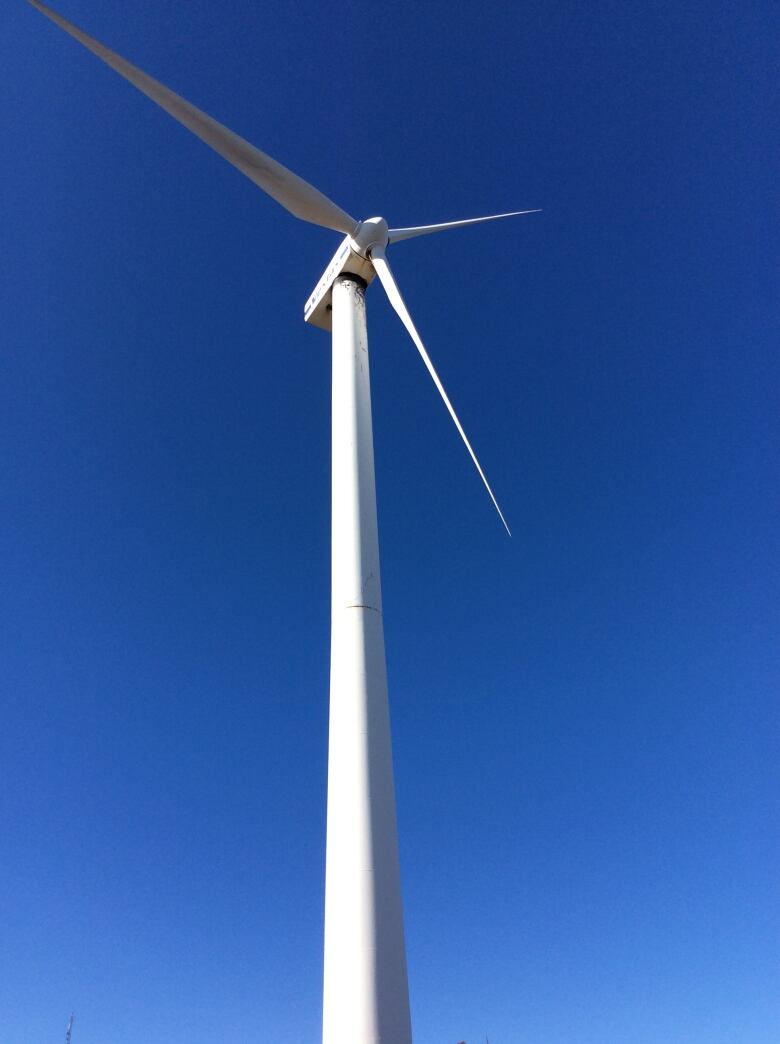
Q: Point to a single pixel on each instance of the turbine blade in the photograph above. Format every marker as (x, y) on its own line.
(424, 230)
(394, 294)
(294, 194)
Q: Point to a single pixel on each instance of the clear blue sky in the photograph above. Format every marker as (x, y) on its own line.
(585, 717)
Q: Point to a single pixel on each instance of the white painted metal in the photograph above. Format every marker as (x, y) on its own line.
(296, 195)
(317, 310)
(365, 994)
(365, 982)
(394, 234)
(387, 280)
(364, 240)
(369, 235)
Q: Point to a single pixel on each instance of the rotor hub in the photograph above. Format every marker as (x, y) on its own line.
(369, 235)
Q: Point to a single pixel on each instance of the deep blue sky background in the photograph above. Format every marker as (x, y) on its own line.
(585, 717)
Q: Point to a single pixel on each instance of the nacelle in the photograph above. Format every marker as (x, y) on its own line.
(344, 262)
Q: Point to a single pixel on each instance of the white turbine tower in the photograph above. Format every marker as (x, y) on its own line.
(365, 992)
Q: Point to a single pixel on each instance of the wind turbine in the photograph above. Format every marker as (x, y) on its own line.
(365, 990)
